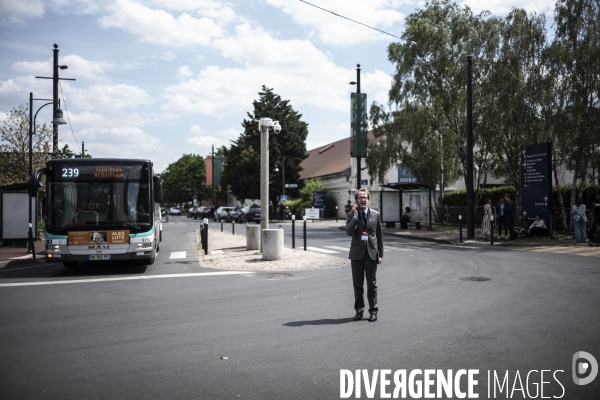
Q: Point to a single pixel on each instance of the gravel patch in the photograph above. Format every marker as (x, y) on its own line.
(227, 251)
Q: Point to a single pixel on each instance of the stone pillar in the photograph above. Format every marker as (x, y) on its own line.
(252, 237)
(272, 244)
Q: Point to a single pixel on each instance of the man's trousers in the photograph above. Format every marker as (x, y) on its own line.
(361, 268)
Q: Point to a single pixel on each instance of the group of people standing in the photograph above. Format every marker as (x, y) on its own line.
(578, 213)
(505, 212)
(505, 218)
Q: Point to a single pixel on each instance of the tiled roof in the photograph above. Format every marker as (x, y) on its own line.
(330, 159)
(333, 158)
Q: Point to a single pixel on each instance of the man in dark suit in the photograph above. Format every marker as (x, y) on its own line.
(509, 212)
(366, 251)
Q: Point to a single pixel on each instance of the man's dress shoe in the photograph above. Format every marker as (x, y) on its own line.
(373, 317)
(358, 316)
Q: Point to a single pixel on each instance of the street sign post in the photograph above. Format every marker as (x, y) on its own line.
(291, 185)
(536, 181)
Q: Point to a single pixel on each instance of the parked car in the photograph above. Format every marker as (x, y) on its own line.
(234, 215)
(222, 212)
(174, 211)
(191, 212)
(204, 212)
(250, 213)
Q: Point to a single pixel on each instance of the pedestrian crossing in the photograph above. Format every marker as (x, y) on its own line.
(338, 249)
(583, 251)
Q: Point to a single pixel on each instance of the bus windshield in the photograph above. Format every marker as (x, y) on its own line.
(103, 196)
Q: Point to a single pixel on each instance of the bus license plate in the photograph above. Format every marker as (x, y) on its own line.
(99, 257)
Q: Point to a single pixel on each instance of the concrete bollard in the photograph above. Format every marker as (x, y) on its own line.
(252, 237)
(272, 244)
(168, 218)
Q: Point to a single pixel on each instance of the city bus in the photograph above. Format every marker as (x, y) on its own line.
(100, 209)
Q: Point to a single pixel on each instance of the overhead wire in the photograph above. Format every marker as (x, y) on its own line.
(349, 19)
(68, 118)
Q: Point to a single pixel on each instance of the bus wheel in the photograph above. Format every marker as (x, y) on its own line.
(70, 264)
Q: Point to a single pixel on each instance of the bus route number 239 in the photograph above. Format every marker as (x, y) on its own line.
(70, 172)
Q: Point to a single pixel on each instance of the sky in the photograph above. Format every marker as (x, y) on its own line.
(156, 79)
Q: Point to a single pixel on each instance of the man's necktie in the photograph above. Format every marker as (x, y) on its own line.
(364, 218)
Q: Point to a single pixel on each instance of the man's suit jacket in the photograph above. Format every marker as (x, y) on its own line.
(354, 228)
(509, 209)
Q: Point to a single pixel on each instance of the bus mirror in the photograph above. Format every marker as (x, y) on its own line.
(158, 191)
(34, 181)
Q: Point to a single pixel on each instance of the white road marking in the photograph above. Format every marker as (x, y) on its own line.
(125, 278)
(22, 257)
(177, 254)
(338, 248)
(321, 250)
(460, 247)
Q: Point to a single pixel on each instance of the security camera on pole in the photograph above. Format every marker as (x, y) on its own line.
(264, 125)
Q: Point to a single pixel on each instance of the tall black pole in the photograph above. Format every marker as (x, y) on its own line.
(358, 177)
(82, 149)
(30, 240)
(55, 99)
(470, 210)
(212, 160)
(283, 175)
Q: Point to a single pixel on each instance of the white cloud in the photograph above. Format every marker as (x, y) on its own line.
(202, 141)
(77, 6)
(503, 7)
(167, 56)
(3, 116)
(16, 12)
(296, 69)
(20, 86)
(208, 8)
(333, 30)
(159, 26)
(120, 142)
(108, 99)
(184, 72)
(78, 68)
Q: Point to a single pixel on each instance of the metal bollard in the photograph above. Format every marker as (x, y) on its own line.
(336, 214)
(460, 228)
(293, 231)
(304, 219)
(205, 236)
(233, 227)
(221, 225)
(492, 234)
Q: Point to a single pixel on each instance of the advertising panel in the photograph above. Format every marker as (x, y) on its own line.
(96, 237)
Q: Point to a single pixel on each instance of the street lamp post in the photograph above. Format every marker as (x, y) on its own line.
(58, 120)
(264, 124)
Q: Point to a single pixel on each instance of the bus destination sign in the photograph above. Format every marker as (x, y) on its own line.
(75, 171)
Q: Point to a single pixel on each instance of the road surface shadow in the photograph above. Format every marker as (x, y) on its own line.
(84, 269)
(320, 322)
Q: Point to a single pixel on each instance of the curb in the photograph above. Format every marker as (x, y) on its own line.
(12, 263)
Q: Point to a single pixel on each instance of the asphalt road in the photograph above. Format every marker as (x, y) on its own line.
(160, 332)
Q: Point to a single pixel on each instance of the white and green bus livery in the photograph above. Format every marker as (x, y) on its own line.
(100, 209)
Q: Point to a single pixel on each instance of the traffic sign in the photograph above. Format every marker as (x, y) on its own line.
(283, 197)
(291, 185)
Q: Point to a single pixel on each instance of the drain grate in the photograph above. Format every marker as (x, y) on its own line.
(475, 278)
(268, 275)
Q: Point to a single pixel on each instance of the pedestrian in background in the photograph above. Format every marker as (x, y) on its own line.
(579, 220)
(501, 218)
(486, 223)
(348, 207)
(538, 227)
(406, 218)
(596, 220)
(366, 252)
(509, 212)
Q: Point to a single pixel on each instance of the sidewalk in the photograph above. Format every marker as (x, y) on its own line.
(451, 235)
(13, 255)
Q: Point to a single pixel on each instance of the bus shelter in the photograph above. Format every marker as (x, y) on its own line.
(391, 205)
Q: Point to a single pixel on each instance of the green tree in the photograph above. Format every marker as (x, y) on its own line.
(242, 171)
(14, 147)
(184, 178)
